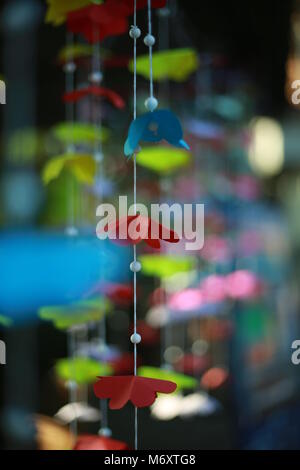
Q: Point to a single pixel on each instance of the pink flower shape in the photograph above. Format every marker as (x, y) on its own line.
(214, 288)
(243, 285)
(187, 300)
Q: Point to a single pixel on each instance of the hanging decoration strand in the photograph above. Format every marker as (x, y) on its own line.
(70, 117)
(150, 44)
(134, 246)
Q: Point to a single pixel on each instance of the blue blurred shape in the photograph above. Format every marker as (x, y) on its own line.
(40, 268)
(154, 127)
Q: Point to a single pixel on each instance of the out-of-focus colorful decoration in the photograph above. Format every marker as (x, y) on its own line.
(83, 312)
(91, 442)
(154, 127)
(58, 9)
(163, 160)
(82, 166)
(97, 22)
(51, 435)
(174, 64)
(141, 391)
(79, 133)
(182, 381)
(97, 91)
(133, 229)
(81, 370)
(164, 266)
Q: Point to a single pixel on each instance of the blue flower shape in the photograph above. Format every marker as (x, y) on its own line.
(154, 127)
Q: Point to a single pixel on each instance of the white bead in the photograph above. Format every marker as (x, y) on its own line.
(151, 103)
(135, 338)
(69, 67)
(135, 266)
(96, 77)
(135, 32)
(105, 432)
(149, 40)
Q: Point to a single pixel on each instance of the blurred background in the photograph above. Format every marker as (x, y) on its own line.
(219, 321)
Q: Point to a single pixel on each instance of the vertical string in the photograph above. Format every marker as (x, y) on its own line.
(72, 382)
(70, 118)
(96, 77)
(134, 246)
(150, 48)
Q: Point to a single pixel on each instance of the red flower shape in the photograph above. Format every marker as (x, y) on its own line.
(128, 5)
(135, 228)
(124, 364)
(97, 22)
(98, 91)
(90, 442)
(141, 391)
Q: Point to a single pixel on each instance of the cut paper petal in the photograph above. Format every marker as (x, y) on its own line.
(183, 382)
(163, 159)
(167, 408)
(78, 411)
(91, 442)
(164, 266)
(175, 64)
(141, 391)
(198, 404)
(66, 316)
(213, 288)
(74, 51)
(154, 127)
(81, 370)
(214, 378)
(51, 435)
(127, 6)
(77, 51)
(58, 9)
(97, 22)
(82, 166)
(97, 91)
(243, 285)
(187, 300)
(192, 364)
(79, 133)
(136, 228)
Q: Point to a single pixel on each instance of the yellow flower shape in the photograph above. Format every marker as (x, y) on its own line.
(163, 159)
(164, 266)
(82, 166)
(79, 133)
(175, 64)
(58, 9)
